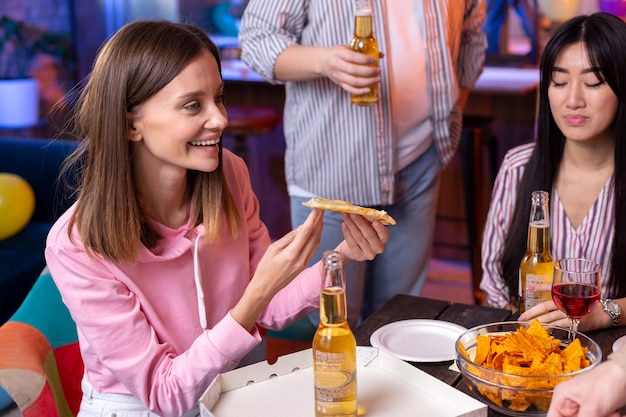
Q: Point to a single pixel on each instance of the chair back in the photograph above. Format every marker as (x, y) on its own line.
(40, 363)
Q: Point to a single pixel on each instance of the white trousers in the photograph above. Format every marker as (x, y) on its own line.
(96, 404)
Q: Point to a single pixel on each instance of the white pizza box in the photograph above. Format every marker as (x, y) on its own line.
(386, 386)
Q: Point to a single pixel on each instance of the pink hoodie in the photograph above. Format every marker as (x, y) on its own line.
(138, 324)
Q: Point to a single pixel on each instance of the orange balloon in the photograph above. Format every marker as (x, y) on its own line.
(17, 204)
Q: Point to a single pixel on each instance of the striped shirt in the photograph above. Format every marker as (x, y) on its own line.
(338, 150)
(593, 239)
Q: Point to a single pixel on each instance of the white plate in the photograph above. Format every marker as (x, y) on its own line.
(418, 340)
(619, 342)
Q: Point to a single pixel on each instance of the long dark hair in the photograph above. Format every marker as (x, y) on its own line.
(604, 37)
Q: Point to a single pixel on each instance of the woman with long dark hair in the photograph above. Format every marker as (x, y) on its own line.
(579, 157)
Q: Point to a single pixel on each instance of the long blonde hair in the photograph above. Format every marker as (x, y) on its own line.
(137, 62)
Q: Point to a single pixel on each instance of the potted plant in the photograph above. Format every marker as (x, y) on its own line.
(20, 43)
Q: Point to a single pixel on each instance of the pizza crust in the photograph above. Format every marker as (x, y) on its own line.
(346, 207)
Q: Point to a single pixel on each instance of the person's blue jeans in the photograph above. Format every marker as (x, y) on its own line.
(402, 267)
(497, 12)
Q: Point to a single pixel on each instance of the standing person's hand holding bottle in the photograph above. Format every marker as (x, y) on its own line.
(364, 42)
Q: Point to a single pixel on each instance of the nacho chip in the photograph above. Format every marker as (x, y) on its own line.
(483, 347)
(575, 357)
(463, 350)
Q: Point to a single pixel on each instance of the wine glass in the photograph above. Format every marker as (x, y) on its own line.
(576, 289)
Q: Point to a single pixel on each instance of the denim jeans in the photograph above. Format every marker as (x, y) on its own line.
(497, 12)
(402, 267)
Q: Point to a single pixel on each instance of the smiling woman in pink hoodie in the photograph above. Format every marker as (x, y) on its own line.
(163, 260)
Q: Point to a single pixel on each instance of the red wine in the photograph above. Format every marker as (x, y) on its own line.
(575, 299)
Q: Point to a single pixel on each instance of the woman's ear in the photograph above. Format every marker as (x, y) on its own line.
(133, 132)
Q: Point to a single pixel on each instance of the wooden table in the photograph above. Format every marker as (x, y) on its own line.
(404, 307)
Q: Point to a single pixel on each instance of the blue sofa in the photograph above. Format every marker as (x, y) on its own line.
(38, 161)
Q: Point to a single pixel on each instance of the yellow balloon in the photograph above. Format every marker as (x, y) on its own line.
(559, 10)
(17, 204)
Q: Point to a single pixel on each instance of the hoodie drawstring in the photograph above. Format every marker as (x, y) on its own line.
(199, 291)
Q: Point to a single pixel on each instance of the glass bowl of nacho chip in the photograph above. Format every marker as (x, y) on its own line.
(513, 367)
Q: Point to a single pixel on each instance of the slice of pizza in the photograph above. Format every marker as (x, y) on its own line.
(346, 207)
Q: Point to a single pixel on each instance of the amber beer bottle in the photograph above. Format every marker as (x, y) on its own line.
(334, 346)
(364, 42)
(537, 264)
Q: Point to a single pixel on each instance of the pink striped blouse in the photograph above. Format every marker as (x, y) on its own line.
(592, 240)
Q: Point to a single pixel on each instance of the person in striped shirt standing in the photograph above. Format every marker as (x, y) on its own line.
(579, 157)
(387, 156)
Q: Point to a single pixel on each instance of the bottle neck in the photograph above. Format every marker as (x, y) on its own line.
(539, 223)
(538, 238)
(333, 307)
(363, 26)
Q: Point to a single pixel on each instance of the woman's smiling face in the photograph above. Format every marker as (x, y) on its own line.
(180, 126)
(583, 106)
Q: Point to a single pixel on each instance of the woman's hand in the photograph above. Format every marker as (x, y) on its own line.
(288, 256)
(547, 312)
(283, 260)
(363, 239)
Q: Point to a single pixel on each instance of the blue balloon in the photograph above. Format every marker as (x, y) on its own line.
(615, 7)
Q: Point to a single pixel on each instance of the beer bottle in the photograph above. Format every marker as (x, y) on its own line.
(334, 346)
(365, 43)
(537, 264)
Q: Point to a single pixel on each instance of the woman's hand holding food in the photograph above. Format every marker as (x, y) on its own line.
(364, 239)
(281, 263)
